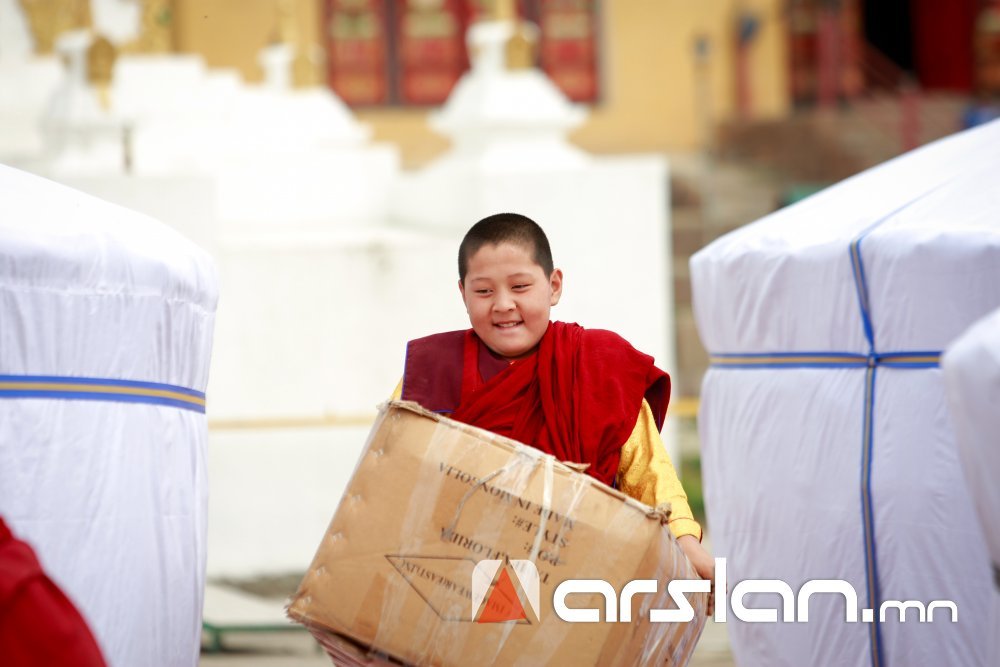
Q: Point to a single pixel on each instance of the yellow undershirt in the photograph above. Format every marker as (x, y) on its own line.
(646, 473)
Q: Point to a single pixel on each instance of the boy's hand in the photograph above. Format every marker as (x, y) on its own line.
(703, 564)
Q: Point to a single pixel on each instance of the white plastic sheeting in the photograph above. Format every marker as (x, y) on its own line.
(105, 477)
(971, 367)
(823, 458)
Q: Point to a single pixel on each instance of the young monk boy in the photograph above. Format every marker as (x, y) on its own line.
(582, 395)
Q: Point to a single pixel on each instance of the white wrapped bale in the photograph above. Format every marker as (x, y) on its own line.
(106, 321)
(827, 448)
(971, 367)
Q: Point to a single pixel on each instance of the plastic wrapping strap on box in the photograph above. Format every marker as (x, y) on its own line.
(546, 502)
(548, 460)
(100, 389)
(920, 359)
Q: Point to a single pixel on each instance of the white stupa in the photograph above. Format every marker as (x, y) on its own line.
(507, 117)
(500, 120)
(82, 133)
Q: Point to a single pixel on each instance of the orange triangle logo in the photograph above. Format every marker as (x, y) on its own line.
(502, 603)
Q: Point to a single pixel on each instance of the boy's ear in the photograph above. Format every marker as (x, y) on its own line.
(556, 285)
(461, 288)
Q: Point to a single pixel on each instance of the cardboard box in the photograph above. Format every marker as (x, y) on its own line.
(430, 500)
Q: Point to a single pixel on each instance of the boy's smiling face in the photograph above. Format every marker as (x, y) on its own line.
(509, 297)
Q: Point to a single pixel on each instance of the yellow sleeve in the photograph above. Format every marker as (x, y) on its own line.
(398, 391)
(646, 474)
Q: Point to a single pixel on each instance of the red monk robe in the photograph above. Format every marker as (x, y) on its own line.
(39, 626)
(585, 396)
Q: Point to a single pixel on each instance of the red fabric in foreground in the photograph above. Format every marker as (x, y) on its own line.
(39, 626)
(577, 397)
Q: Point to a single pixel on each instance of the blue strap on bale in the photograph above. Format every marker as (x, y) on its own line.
(100, 389)
(920, 359)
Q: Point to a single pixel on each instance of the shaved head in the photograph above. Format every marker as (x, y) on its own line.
(506, 228)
